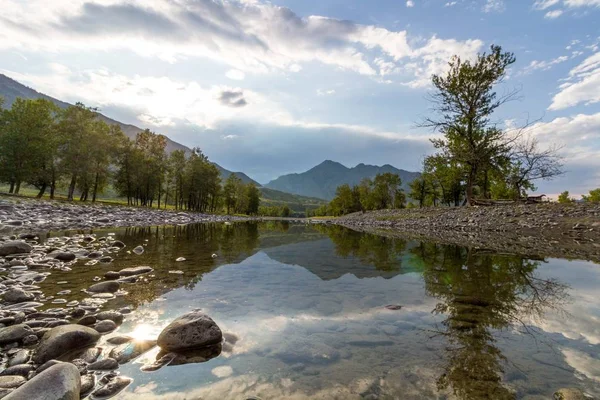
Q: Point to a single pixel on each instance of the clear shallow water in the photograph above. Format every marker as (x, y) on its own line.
(308, 305)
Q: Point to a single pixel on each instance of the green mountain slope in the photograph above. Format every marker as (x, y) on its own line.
(297, 203)
(322, 180)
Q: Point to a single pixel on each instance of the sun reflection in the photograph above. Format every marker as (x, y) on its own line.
(144, 332)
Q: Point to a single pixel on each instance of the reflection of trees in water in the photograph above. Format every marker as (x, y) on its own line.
(382, 252)
(481, 292)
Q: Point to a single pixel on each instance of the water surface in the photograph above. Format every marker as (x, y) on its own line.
(308, 304)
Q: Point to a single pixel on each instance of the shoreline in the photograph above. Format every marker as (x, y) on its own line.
(551, 230)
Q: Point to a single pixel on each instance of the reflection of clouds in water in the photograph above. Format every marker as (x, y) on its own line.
(583, 363)
(242, 386)
(222, 372)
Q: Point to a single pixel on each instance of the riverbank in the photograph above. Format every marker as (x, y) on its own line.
(548, 229)
(19, 214)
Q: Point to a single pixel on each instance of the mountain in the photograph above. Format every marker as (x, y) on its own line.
(296, 203)
(322, 180)
(10, 90)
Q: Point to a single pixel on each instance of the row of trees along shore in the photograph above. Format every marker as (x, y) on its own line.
(47, 147)
(478, 161)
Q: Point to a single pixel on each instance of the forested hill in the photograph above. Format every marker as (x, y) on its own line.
(322, 180)
(10, 90)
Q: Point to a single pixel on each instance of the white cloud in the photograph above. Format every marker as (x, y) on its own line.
(229, 137)
(235, 74)
(543, 65)
(553, 14)
(450, 4)
(582, 3)
(410, 3)
(249, 37)
(582, 86)
(494, 6)
(544, 4)
(321, 92)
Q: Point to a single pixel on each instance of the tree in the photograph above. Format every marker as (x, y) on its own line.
(564, 198)
(465, 99)
(230, 191)
(253, 195)
(419, 190)
(285, 211)
(27, 141)
(593, 197)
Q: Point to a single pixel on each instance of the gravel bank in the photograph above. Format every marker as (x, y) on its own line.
(550, 230)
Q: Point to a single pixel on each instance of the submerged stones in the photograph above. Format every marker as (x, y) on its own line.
(105, 287)
(135, 271)
(17, 295)
(138, 250)
(63, 339)
(113, 387)
(190, 331)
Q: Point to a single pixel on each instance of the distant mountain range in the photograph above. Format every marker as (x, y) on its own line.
(10, 90)
(322, 180)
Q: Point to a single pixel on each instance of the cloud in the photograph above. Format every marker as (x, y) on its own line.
(233, 98)
(494, 6)
(544, 4)
(553, 14)
(235, 74)
(410, 3)
(251, 37)
(322, 92)
(582, 85)
(543, 65)
(450, 4)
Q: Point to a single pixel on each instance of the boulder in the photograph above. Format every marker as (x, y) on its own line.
(65, 256)
(59, 382)
(190, 331)
(63, 339)
(14, 333)
(105, 326)
(135, 271)
(17, 295)
(114, 316)
(115, 385)
(130, 350)
(11, 381)
(107, 364)
(14, 247)
(104, 287)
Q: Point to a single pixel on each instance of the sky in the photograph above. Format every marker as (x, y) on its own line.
(276, 87)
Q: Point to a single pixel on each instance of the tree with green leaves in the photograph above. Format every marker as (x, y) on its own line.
(253, 195)
(419, 190)
(230, 192)
(465, 99)
(592, 197)
(564, 198)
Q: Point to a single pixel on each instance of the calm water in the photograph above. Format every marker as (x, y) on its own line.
(308, 305)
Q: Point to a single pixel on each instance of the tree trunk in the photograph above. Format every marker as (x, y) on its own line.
(470, 184)
(53, 184)
(95, 191)
(42, 191)
(12, 187)
(72, 187)
(18, 187)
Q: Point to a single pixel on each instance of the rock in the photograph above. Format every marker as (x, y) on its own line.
(87, 384)
(59, 382)
(16, 295)
(11, 381)
(138, 250)
(114, 316)
(189, 331)
(63, 339)
(88, 320)
(65, 256)
(179, 259)
(47, 365)
(20, 357)
(104, 287)
(107, 364)
(112, 388)
(118, 243)
(14, 247)
(130, 350)
(119, 340)
(30, 339)
(106, 259)
(14, 333)
(105, 326)
(393, 307)
(112, 275)
(21, 369)
(569, 394)
(135, 271)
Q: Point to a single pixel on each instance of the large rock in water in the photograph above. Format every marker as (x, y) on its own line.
(63, 339)
(17, 295)
(14, 247)
(59, 382)
(190, 331)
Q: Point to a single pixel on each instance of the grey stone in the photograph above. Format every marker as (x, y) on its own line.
(130, 350)
(105, 326)
(59, 382)
(64, 339)
(569, 394)
(14, 333)
(11, 381)
(112, 275)
(114, 316)
(88, 382)
(189, 331)
(135, 271)
(17, 295)
(14, 247)
(112, 388)
(65, 256)
(107, 364)
(105, 287)
(21, 369)
(87, 320)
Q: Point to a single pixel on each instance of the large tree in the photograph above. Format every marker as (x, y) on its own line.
(464, 101)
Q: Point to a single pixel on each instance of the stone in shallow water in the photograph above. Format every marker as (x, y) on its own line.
(105, 287)
(14, 247)
(130, 350)
(192, 330)
(135, 271)
(105, 326)
(11, 381)
(63, 339)
(114, 316)
(59, 382)
(87, 384)
(179, 259)
(138, 250)
(65, 256)
(107, 364)
(114, 386)
(17, 295)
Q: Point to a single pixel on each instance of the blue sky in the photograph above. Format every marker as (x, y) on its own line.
(276, 87)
